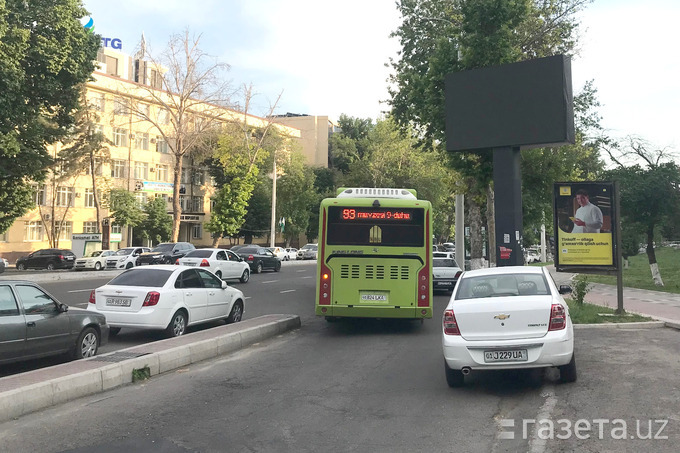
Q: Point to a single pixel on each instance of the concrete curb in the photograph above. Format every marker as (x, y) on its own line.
(622, 325)
(98, 375)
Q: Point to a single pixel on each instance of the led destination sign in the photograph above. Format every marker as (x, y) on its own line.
(372, 214)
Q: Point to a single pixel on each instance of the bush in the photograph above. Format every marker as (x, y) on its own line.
(581, 287)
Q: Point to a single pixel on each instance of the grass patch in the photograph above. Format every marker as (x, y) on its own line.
(590, 314)
(639, 275)
(141, 374)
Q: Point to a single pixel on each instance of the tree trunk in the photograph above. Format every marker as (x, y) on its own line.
(491, 224)
(216, 240)
(653, 265)
(475, 222)
(176, 206)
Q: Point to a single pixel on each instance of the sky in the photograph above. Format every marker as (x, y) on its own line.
(328, 58)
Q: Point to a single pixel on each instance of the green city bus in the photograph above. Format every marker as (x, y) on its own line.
(375, 255)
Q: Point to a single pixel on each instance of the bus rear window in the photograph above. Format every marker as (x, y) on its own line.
(398, 227)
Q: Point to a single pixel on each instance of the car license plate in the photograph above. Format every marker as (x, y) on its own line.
(513, 355)
(118, 302)
(374, 297)
(444, 283)
(189, 264)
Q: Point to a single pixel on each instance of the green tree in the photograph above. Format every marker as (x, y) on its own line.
(157, 223)
(295, 192)
(125, 210)
(46, 57)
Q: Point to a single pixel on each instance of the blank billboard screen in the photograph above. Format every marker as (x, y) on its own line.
(525, 104)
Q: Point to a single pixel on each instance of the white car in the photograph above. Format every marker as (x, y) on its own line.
(308, 252)
(292, 253)
(280, 253)
(125, 258)
(95, 260)
(166, 297)
(445, 271)
(225, 264)
(507, 318)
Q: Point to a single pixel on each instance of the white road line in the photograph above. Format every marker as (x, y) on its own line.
(270, 281)
(303, 270)
(287, 291)
(536, 443)
(308, 277)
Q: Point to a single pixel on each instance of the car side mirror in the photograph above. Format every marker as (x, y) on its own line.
(565, 289)
(63, 308)
(224, 284)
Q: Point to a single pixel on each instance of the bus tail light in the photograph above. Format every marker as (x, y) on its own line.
(450, 324)
(325, 285)
(424, 287)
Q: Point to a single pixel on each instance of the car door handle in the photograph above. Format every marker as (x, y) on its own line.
(212, 293)
(30, 324)
(189, 294)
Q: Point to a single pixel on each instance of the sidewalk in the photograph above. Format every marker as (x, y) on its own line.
(655, 304)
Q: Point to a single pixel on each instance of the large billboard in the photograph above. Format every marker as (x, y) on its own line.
(585, 226)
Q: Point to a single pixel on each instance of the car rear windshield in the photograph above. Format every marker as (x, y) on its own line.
(245, 250)
(502, 285)
(444, 262)
(155, 278)
(199, 254)
(163, 248)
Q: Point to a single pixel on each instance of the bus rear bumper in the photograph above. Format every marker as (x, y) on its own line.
(374, 312)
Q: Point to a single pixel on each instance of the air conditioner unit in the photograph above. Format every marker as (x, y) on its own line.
(78, 194)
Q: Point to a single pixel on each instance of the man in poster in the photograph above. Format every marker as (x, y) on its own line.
(588, 217)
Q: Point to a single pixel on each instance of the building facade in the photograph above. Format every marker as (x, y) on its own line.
(140, 162)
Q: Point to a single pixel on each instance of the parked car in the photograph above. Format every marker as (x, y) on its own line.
(225, 264)
(308, 252)
(5, 265)
(166, 297)
(284, 254)
(47, 259)
(507, 318)
(165, 253)
(444, 255)
(35, 324)
(448, 247)
(95, 260)
(125, 258)
(259, 258)
(445, 272)
(292, 253)
(532, 256)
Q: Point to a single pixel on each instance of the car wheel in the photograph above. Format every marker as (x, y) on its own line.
(113, 331)
(258, 268)
(178, 324)
(97, 266)
(277, 267)
(129, 265)
(236, 312)
(21, 267)
(50, 266)
(568, 371)
(87, 344)
(454, 378)
(245, 276)
(218, 274)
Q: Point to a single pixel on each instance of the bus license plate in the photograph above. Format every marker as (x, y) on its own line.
(514, 355)
(373, 297)
(118, 302)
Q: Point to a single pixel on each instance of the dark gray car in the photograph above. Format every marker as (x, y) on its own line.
(34, 324)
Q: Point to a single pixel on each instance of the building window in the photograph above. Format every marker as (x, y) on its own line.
(64, 196)
(184, 202)
(141, 170)
(161, 145)
(120, 136)
(184, 178)
(120, 106)
(143, 111)
(197, 177)
(142, 140)
(111, 65)
(196, 231)
(162, 173)
(90, 227)
(39, 195)
(98, 102)
(33, 231)
(141, 198)
(97, 168)
(3, 237)
(64, 231)
(116, 229)
(89, 197)
(197, 204)
(156, 80)
(118, 169)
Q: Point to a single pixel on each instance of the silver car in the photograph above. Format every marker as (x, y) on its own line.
(308, 252)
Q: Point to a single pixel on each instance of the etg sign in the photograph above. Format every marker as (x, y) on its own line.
(114, 43)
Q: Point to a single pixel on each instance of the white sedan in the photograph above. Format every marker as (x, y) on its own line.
(166, 297)
(95, 260)
(507, 318)
(223, 263)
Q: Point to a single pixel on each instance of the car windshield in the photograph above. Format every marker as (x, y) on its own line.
(501, 285)
(122, 252)
(444, 262)
(199, 254)
(163, 248)
(96, 253)
(142, 277)
(309, 247)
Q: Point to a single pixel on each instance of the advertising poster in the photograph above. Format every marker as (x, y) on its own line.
(584, 220)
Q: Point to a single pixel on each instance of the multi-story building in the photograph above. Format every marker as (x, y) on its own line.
(314, 134)
(140, 161)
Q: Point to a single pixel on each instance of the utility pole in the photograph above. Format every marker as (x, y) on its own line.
(272, 240)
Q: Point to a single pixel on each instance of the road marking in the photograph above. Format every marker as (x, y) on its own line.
(310, 276)
(303, 270)
(536, 443)
(270, 281)
(287, 291)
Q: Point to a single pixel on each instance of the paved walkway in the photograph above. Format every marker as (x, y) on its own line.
(655, 304)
